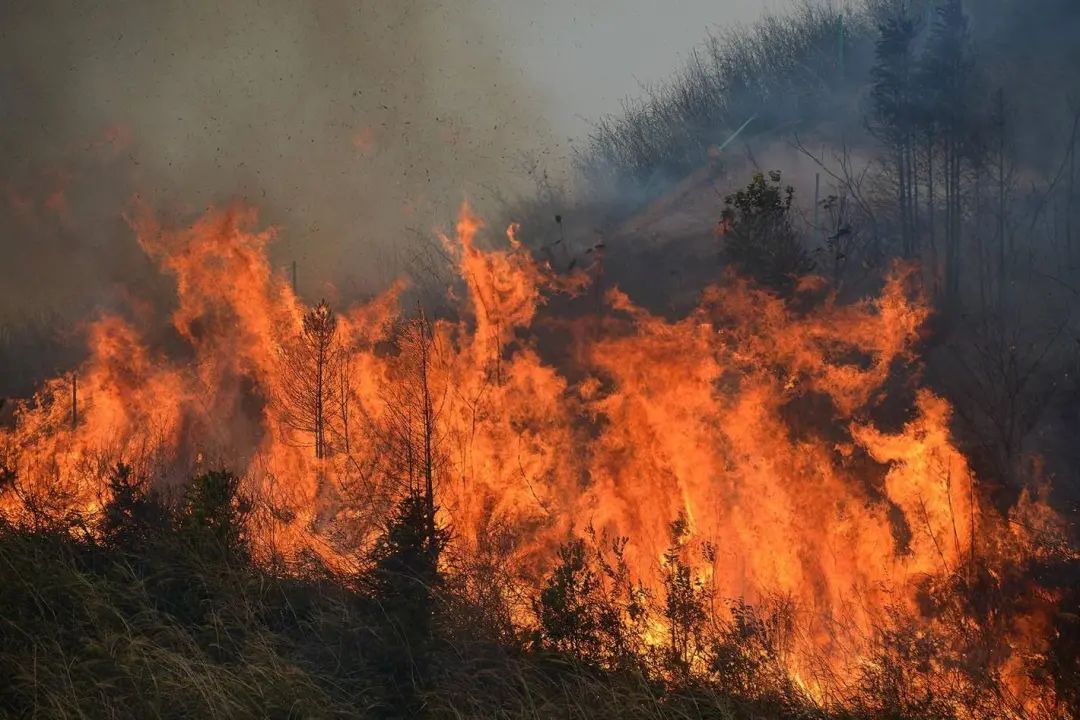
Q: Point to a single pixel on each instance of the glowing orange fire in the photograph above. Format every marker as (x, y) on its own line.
(704, 416)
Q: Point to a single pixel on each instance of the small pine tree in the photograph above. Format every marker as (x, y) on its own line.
(134, 511)
(404, 581)
(758, 237)
(214, 514)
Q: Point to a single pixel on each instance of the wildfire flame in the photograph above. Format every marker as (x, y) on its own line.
(772, 426)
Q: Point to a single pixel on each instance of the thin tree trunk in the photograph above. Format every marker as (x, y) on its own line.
(901, 168)
(320, 370)
(1069, 249)
(429, 431)
(930, 211)
(930, 189)
(1001, 200)
(957, 219)
(343, 400)
(980, 248)
(913, 150)
(74, 401)
(950, 190)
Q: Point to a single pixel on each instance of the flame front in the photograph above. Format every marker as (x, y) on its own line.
(773, 430)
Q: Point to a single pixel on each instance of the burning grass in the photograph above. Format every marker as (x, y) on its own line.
(845, 565)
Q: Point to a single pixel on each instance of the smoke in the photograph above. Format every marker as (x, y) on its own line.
(355, 127)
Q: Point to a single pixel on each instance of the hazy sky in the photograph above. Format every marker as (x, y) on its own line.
(585, 56)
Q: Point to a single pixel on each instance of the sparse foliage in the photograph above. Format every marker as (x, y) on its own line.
(684, 605)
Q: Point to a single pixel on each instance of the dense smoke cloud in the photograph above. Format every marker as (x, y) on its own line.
(355, 126)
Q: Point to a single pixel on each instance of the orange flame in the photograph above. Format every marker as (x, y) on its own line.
(753, 420)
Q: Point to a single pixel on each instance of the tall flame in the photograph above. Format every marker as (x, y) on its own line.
(770, 425)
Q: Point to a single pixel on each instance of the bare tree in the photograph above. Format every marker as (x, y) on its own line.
(312, 378)
(410, 430)
(852, 233)
(1001, 373)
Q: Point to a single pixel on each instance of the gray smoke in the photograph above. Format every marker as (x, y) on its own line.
(354, 126)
